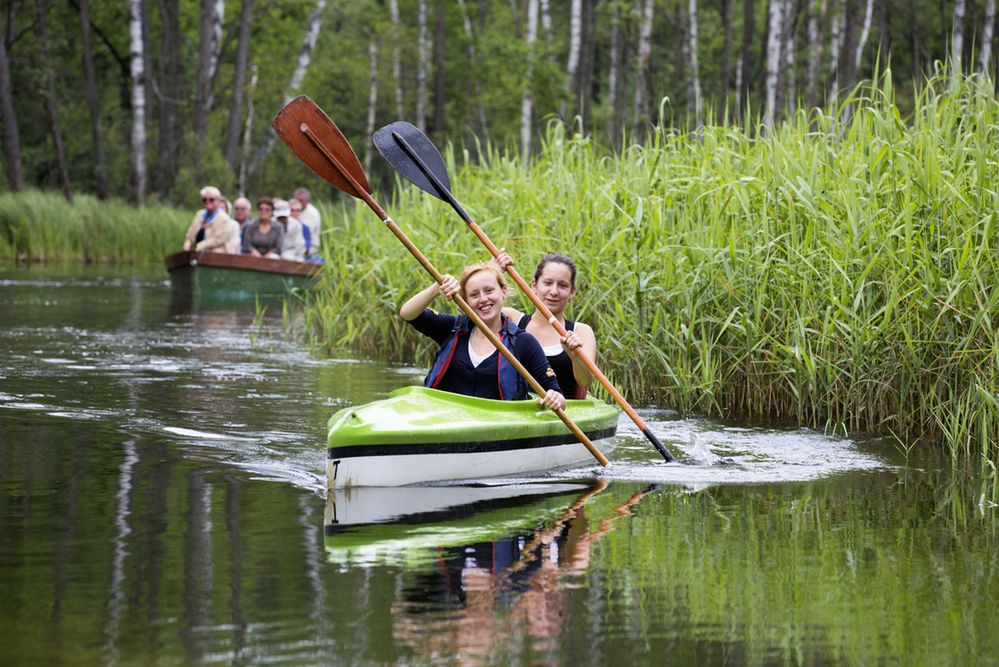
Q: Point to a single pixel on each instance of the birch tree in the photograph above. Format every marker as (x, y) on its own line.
(302, 63)
(775, 24)
(239, 84)
(396, 60)
(575, 42)
(527, 101)
(138, 79)
(244, 160)
(421, 66)
(835, 45)
(786, 76)
(988, 31)
(372, 98)
(695, 72)
(643, 62)
(209, 32)
(865, 33)
(960, 8)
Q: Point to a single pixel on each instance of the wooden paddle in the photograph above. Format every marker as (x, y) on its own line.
(413, 155)
(318, 142)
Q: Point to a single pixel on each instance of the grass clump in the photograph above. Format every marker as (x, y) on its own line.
(840, 275)
(40, 226)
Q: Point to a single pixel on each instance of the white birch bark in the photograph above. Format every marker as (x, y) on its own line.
(988, 31)
(244, 161)
(421, 67)
(396, 61)
(773, 61)
(372, 99)
(960, 8)
(644, 59)
(297, 75)
(138, 76)
(527, 102)
(695, 70)
(865, 33)
(213, 64)
(575, 40)
(546, 23)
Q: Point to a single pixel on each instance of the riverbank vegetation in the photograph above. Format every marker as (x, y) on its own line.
(46, 227)
(840, 273)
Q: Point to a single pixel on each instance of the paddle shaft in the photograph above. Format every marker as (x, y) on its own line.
(432, 270)
(446, 195)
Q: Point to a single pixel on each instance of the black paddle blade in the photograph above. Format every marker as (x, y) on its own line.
(413, 155)
(318, 142)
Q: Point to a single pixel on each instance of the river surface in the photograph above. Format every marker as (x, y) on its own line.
(162, 500)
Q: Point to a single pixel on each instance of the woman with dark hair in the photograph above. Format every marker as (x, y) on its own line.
(555, 284)
(467, 362)
(263, 237)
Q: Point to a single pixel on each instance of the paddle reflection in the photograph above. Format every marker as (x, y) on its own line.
(477, 566)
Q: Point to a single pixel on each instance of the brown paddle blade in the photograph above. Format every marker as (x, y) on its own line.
(301, 118)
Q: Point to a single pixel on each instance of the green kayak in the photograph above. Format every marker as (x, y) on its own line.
(424, 435)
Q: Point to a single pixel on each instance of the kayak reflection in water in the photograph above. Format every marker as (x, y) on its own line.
(467, 362)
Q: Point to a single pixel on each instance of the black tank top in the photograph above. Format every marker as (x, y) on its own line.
(560, 363)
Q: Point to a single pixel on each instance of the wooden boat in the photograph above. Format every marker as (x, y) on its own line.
(367, 526)
(221, 275)
(422, 435)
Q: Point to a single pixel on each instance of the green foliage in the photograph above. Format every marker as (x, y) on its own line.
(838, 275)
(38, 226)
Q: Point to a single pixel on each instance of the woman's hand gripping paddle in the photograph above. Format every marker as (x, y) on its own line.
(413, 155)
(318, 142)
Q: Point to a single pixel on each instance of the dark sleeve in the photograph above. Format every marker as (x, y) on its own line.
(279, 238)
(437, 326)
(530, 354)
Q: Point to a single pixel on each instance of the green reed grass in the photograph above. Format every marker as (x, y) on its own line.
(43, 227)
(831, 274)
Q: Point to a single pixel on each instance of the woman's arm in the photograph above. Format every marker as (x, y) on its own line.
(583, 340)
(530, 354)
(422, 299)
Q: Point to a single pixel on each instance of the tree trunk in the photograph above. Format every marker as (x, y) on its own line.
(695, 71)
(51, 101)
(475, 81)
(546, 25)
(726, 57)
(138, 74)
(865, 33)
(640, 113)
(746, 57)
(93, 102)
(775, 22)
(297, 76)
(835, 45)
(572, 63)
(169, 96)
(587, 61)
(396, 61)
(816, 40)
(615, 76)
(440, 96)
(372, 99)
(421, 67)
(527, 102)
(960, 8)
(787, 87)
(244, 160)
(239, 85)
(209, 33)
(916, 41)
(8, 117)
(988, 31)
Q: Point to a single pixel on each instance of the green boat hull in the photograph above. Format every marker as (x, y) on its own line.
(222, 277)
(423, 435)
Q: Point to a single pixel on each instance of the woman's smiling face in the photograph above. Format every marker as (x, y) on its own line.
(554, 286)
(484, 295)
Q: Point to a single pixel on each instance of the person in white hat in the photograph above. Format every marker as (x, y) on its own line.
(293, 247)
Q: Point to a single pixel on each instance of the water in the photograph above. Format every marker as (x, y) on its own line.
(163, 500)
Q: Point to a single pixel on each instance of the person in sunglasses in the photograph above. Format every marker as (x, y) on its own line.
(211, 229)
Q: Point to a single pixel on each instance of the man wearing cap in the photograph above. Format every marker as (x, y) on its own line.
(210, 230)
(293, 246)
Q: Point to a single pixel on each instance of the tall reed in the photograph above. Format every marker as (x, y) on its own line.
(40, 226)
(834, 274)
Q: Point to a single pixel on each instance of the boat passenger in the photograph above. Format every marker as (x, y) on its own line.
(310, 216)
(467, 362)
(241, 212)
(555, 285)
(263, 237)
(295, 207)
(293, 246)
(210, 230)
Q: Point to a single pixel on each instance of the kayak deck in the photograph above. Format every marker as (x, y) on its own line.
(423, 435)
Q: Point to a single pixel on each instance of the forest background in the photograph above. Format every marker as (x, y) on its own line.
(150, 100)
